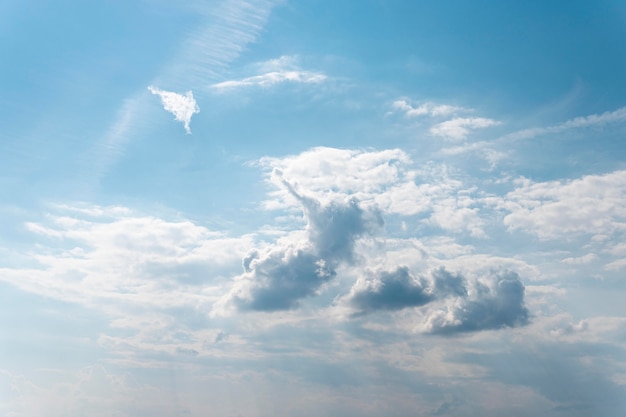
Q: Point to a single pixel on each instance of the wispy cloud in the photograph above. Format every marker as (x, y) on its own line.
(615, 116)
(273, 78)
(427, 109)
(460, 127)
(183, 107)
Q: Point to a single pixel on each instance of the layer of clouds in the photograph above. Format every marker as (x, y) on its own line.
(183, 107)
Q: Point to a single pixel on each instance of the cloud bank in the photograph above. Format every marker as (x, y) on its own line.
(183, 107)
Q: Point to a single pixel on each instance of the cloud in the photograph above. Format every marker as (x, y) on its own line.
(460, 127)
(272, 78)
(615, 116)
(455, 304)
(183, 107)
(273, 72)
(399, 289)
(593, 204)
(278, 278)
(389, 290)
(493, 302)
(427, 109)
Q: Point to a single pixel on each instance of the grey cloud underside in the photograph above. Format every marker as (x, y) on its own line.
(497, 305)
(472, 306)
(279, 278)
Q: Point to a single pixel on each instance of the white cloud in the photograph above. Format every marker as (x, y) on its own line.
(427, 109)
(183, 107)
(581, 260)
(615, 116)
(112, 258)
(385, 179)
(272, 78)
(460, 127)
(592, 205)
(275, 71)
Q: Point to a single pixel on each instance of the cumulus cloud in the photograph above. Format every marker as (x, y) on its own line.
(460, 127)
(493, 302)
(452, 302)
(183, 107)
(280, 277)
(389, 290)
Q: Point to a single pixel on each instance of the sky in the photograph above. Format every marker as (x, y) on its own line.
(254, 208)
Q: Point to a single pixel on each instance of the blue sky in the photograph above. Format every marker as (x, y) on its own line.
(289, 208)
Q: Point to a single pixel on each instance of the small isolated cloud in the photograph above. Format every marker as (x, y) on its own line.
(426, 109)
(272, 78)
(280, 277)
(183, 107)
(460, 127)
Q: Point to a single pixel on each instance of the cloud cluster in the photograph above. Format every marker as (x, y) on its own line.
(280, 277)
(183, 107)
(456, 304)
(455, 128)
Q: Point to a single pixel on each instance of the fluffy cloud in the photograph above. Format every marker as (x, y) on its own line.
(387, 179)
(291, 270)
(399, 289)
(593, 204)
(460, 127)
(183, 107)
(455, 303)
(492, 302)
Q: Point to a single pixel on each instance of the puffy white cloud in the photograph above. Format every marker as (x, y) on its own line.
(593, 205)
(387, 179)
(460, 127)
(183, 107)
